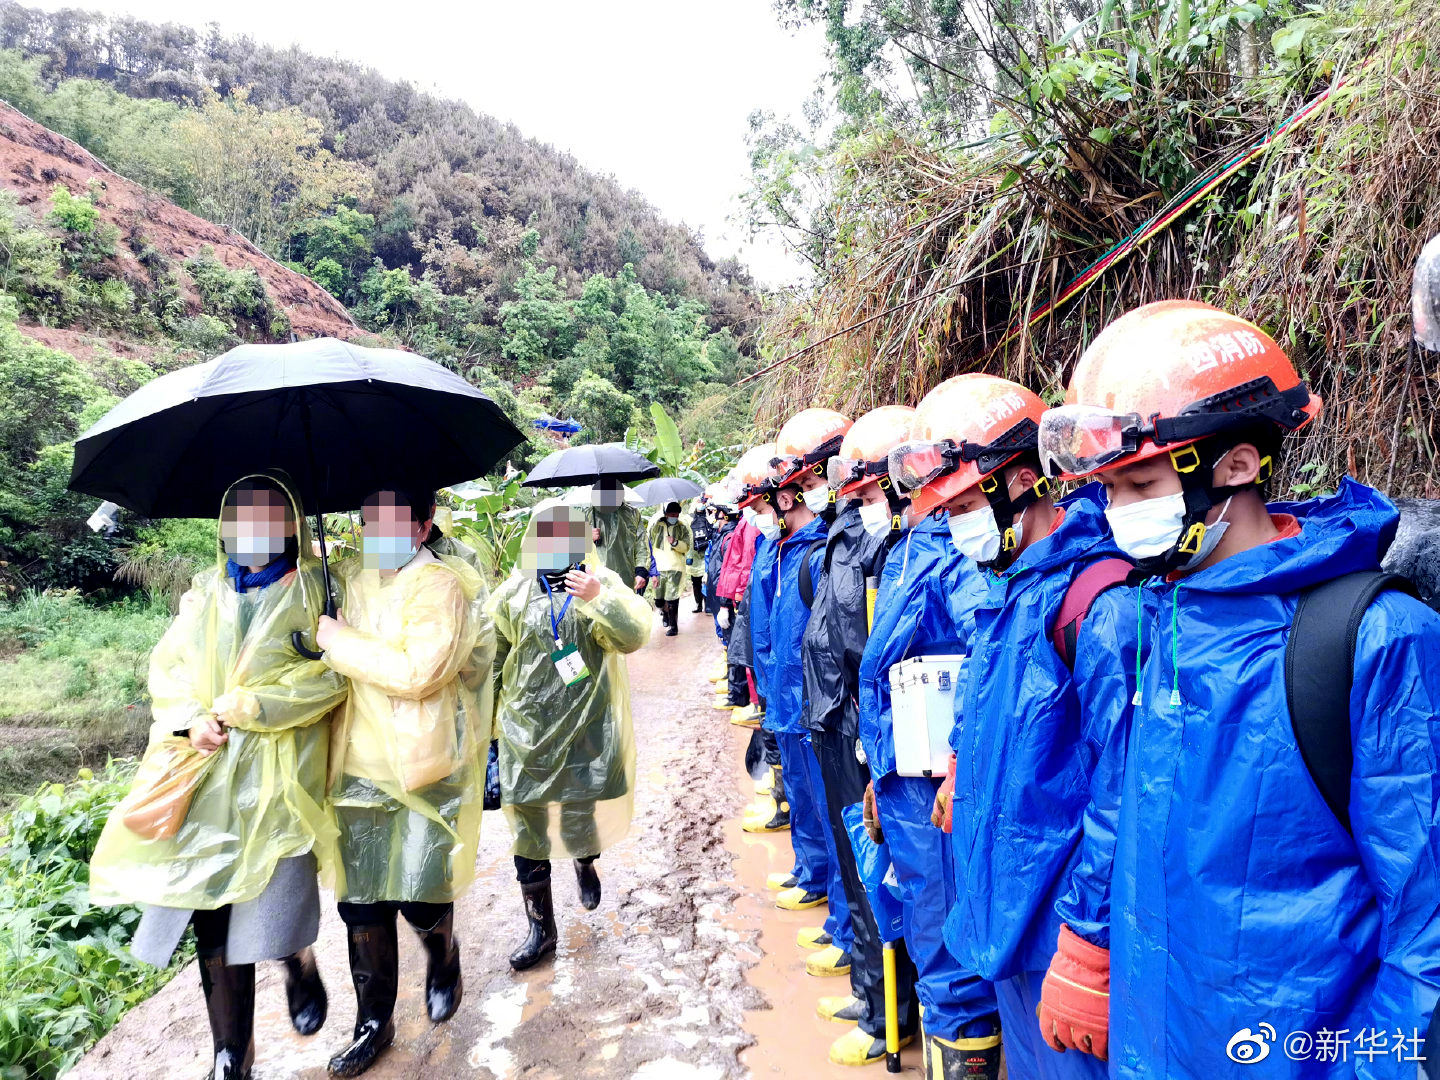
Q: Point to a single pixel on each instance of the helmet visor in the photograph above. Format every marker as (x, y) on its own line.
(915, 464)
(840, 471)
(1079, 439)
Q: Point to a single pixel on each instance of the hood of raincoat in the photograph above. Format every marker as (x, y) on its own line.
(526, 561)
(1226, 857)
(928, 592)
(1024, 749)
(261, 797)
(777, 646)
(306, 558)
(838, 628)
(565, 745)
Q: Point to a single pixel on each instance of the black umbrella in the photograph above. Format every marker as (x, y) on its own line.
(341, 418)
(589, 464)
(668, 489)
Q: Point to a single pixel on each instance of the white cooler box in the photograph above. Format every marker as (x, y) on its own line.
(922, 708)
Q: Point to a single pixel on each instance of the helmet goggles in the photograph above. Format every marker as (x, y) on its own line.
(1077, 440)
(913, 465)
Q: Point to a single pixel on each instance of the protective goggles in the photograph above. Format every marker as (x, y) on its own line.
(844, 472)
(788, 466)
(1080, 439)
(915, 464)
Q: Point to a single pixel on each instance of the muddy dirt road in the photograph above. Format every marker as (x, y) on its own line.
(687, 970)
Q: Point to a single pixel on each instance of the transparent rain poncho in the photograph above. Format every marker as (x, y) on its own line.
(262, 795)
(407, 767)
(567, 752)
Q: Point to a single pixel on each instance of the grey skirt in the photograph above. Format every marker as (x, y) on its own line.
(281, 920)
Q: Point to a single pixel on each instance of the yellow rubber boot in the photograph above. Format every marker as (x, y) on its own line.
(766, 816)
(766, 784)
(746, 716)
(828, 962)
(797, 899)
(859, 1047)
(781, 880)
(723, 704)
(840, 1010)
(964, 1059)
(813, 937)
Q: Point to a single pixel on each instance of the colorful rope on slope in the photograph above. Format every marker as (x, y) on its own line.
(1197, 190)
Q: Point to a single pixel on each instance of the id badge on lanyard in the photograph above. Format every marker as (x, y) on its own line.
(569, 664)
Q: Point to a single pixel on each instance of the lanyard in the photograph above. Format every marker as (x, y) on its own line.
(554, 620)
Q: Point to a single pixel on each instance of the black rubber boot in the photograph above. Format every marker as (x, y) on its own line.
(374, 969)
(541, 938)
(975, 1055)
(444, 984)
(781, 820)
(673, 608)
(589, 879)
(230, 1002)
(697, 586)
(304, 992)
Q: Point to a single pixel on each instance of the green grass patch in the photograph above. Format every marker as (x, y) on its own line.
(66, 975)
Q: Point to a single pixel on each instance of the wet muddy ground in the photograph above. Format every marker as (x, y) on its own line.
(687, 970)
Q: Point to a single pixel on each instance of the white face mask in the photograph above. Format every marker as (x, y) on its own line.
(817, 499)
(1146, 529)
(768, 526)
(876, 518)
(976, 535)
(748, 514)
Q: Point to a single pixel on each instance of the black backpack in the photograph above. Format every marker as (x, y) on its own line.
(1319, 674)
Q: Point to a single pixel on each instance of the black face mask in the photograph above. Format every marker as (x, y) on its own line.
(556, 578)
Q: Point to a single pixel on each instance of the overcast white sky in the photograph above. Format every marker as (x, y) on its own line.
(654, 91)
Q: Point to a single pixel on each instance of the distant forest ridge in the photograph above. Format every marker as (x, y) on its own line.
(450, 190)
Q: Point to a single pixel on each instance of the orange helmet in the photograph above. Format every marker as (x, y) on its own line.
(864, 455)
(752, 473)
(1161, 378)
(806, 440)
(965, 430)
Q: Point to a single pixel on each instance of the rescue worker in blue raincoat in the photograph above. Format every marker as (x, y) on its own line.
(793, 514)
(924, 602)
(865, 526)
(1022, 747)
(1255, 920)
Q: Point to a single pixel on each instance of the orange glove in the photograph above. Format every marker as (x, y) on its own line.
(940, 812)
(1075, 998)
(870, 815)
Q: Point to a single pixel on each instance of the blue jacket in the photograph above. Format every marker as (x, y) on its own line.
(924, 605)
(1244, 901)
(1025, 749)
(783, 686)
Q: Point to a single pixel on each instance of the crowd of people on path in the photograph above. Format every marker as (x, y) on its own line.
(1190, 825)
(1190, 821)
(273, 768)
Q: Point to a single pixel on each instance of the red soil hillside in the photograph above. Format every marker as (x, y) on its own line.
(33, 159)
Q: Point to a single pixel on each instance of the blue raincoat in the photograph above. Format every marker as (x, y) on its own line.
(778, 618)
(924, 603)
(1025, 750)
(1244, 911)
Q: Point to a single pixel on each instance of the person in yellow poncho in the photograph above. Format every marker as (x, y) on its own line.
(671, 540)
(226, 683)
(562, 711)
(407, 775)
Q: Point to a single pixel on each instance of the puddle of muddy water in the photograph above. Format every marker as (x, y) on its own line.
(790, 1039)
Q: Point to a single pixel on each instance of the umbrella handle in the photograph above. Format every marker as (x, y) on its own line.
(297, 642)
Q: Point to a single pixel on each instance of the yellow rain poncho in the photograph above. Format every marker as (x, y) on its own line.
(622, 539)
(567, 753)
(406, 765)
(262, 796)
(671, 544)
